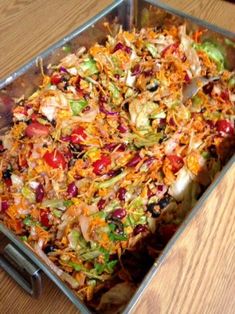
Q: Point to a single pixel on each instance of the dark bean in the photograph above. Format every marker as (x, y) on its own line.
(6, 174)
(111, 146)
(101, 204)
(140, 229)
(126, 106)
(164, 202)
(152, 87)
(118, 213)
(121, 194)
(154, 209)
(134, 161)
(49, 248)
(162, 124)
(148, 73)
(53, 123)
(164, 138)
(118, 47)
(72, 190)
(119, 229)
(86, 109)
(207, 89)
(4, 206)
(136, 69)
(212, 150)
(39, 193)
(114, 173)
(128, 50)
(122, 128)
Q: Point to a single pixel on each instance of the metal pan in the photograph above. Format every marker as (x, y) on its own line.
(18, 259)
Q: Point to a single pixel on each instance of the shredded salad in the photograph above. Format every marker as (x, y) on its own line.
(104, 160)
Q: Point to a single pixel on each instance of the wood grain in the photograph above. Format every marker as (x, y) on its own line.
(198, 276)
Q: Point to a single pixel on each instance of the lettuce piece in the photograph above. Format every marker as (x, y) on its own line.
(110, 182)
(149, 139)
(75, 266)
(57, 213)
(89, 67)
(116, 95)
(28, 194)
(231, 82)
(179, 188)
(152, 49)
(28, 221)
(77, 106)
(90, 255)
(114, 90)
(54, 203)
(214, 52)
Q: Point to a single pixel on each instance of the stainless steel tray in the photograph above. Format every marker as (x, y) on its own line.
(127, 13)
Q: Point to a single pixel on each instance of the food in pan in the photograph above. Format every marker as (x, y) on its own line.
(104, 160)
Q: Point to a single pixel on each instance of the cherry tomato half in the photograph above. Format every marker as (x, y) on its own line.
(224, 127)
(55, 159)
(56, 79)
(100, 165)
(37, 129)
(176, 162)
(78, 135)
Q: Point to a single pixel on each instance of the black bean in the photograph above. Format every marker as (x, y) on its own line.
(154, 209)
(6, 174)
(152, 87)
(164, 138)
(49, 249)
(207, 89)
(119, 229)
(164, 201)
(212, 150)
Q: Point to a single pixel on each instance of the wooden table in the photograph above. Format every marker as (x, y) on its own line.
(198, 275)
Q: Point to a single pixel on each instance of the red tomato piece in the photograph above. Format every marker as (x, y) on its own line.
(100, 165)
(37, 129)
(56, 79)
(44, 218)
(78, 135)
(224, 127)
(176, 162)
(55, 159)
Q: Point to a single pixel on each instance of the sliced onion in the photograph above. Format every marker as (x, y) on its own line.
(16, 180)
(84, 224)
(107, 112)
(59, 272)
(179, 188)
(44, 257)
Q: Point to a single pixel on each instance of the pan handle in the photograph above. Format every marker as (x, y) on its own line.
(22, 270)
